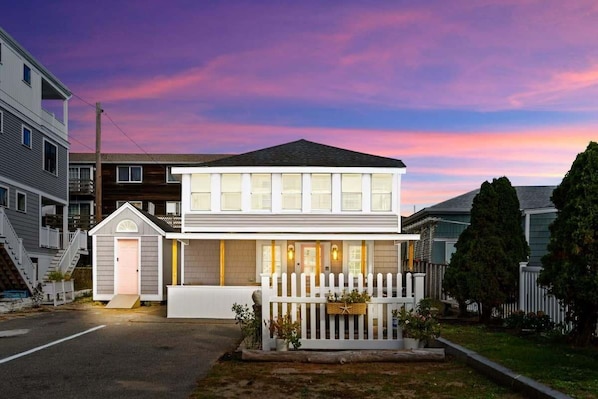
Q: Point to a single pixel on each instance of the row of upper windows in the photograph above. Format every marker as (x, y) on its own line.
(21, 205)
(134, 174)
(291, 192)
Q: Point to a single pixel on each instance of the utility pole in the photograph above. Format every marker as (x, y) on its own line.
(98, 176)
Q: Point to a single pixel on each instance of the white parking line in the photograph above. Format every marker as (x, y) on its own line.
(39, 348)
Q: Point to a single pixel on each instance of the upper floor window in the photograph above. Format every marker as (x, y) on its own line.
(129, 174)
(381, 192)
(261, 191)
(26, 136)
(173, 208)
(291, 191)
(230, 186)
(201, 192)
(136, 204)
(26, 74)
(170, 178)
(321, 192)
(21, 202)
(4, 196)
(351, 192)
(50, 158)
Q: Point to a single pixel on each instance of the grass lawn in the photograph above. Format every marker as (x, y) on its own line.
(573, 371)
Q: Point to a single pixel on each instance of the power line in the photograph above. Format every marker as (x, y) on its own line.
(83, 100)
(80, 142)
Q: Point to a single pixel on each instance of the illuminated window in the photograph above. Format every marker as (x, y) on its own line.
(230, 192)
(261, 191)
(351, 192)
(201, 192)
(321, 192)
(291, 192)
(381, 192)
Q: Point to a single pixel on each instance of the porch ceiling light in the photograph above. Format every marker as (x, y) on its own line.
(335, 252)
(291, 251)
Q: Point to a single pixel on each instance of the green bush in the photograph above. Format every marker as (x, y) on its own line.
(535, 322)
(251, 327)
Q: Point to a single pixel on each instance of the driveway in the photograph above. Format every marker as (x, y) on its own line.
(93, 352)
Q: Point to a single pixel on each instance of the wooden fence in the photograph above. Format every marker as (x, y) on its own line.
(306, 302)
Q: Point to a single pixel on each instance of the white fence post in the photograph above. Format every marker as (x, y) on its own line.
(522, 301)
(266, 294)
(419, 287)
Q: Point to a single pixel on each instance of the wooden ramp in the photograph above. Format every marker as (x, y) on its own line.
(122, 301)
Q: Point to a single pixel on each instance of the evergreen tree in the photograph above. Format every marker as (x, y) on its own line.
(485, 266)
(571, 266)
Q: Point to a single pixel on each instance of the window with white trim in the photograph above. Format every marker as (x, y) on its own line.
(4, 196)
(50, 157)
(170, 178)
(381, 192)
(27, 74)
(261, 191)
(291, 191)
(136, 204)
(26, 136)
(127, 226)
(201, 192)
(173, 208)
(354, 256)
(267, 259)
(351, 192)
(321, 192)
(230, 192)
(129, 174)
(21, 202)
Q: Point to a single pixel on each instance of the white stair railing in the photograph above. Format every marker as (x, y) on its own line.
(17, 251)
(77, 243)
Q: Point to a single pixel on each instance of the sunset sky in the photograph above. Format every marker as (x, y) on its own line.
(461, 91)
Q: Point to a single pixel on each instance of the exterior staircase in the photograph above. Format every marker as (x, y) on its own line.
(16, 269)
(66, 259)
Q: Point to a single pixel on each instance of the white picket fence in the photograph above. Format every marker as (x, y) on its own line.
(306, 302)
(533, 298)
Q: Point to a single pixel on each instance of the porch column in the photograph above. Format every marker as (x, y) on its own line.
(410, 255)
(174, 262)
(221, 262)
(318, 262)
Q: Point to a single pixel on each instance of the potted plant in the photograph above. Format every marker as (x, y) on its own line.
(353, 302)
(419, 326)
(286, 331)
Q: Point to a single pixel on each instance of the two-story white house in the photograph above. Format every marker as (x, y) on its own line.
(33, 165)
(298, 207)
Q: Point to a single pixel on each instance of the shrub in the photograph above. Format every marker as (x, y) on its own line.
(533, 322)
(251, 327)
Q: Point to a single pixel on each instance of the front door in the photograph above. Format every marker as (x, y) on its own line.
(127, 266)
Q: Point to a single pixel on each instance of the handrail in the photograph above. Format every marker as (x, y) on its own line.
(77, 242)
(20, 257)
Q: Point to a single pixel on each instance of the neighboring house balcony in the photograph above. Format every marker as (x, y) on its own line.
(82, 222)
(82, 187)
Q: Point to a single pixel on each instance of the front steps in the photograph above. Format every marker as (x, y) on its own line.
(122, 301)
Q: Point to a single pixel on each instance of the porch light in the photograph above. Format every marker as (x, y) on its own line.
(335, 252)
(291, 251)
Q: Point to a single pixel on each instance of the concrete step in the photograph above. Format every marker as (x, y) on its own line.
(122, 301)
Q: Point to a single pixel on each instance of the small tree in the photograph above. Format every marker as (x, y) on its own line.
(484, 267)
(571, 266)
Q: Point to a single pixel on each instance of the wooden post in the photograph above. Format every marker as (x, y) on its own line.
(318, 261)
(175, 277)
(98, 175)
(221, 262)
(411, 254)
(273, 256)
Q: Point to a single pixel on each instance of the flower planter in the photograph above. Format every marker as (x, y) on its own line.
(346, 308)
(282, 345)
(410, 343)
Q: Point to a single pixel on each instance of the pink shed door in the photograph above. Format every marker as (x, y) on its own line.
(127, 266)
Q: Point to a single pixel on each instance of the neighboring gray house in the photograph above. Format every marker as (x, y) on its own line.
(131, 255)
(33, 166)
(440, 225)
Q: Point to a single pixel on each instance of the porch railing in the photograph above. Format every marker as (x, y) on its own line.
(49, 237)
(306, 302)
(16, 250)
(77, 243)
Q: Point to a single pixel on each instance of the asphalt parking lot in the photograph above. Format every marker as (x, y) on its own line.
(93, 352)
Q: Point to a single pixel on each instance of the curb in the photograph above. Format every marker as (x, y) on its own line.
(501, 374)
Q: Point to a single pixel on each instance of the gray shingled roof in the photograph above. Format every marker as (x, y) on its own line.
(530, 197)
(89, 157)
(307, 153)
(166, 227)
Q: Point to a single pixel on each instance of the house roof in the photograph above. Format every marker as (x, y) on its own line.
(159, 225)
(90, 157)
(530, 197)
(307, 153)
